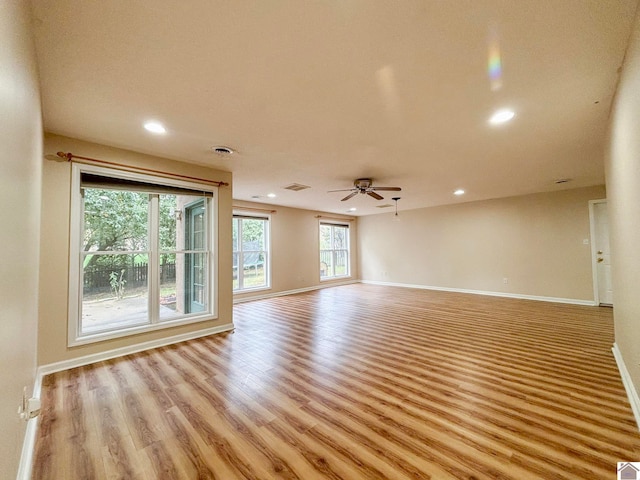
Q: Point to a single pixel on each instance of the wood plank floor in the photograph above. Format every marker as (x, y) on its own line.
(354, 382)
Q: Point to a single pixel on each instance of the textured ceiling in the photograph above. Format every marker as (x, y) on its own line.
(321, 93)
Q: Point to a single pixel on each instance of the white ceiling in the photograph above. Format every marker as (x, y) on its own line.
(323, 92)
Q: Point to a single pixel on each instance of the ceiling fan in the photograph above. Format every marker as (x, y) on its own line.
(365, 186)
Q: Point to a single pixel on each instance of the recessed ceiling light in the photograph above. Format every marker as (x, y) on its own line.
(501, 116)
(459, 192)
(353, 209)
(222, 150)
(155, 127)
(271, 195)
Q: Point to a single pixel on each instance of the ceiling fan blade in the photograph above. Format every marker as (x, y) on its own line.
(375, 195)
(345, 190)
(386, 189)
(353, 194)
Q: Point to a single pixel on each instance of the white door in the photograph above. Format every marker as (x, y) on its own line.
(601, 252)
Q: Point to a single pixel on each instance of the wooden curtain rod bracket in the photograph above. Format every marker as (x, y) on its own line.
(65, 156)
(70, 157)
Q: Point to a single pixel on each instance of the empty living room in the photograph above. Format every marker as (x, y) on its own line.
(308, 240)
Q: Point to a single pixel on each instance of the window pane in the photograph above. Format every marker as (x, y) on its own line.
(253, 237)
(340, 237)
(115, 220)
(195, 226)
(325, 237)
(198, 230)
(182, 222)
(236, 283)
(194, 287)
(168, 297)
(254, 272)
(184, 283)
(326, 263)
(235, 223)
(341, 263)
(169, 211)
(115, 292)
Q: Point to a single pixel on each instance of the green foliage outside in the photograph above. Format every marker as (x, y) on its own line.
(339, 240)
(117, 221)
(253, 233)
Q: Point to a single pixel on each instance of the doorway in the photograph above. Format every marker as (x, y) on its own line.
(600, 253)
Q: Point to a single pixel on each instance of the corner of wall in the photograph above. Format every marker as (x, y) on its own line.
(632, 392)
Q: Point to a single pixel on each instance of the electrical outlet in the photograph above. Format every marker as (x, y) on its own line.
(29, 407)
(505, 280)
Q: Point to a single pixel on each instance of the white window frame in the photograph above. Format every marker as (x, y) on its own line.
(75, 337)
(339, 224)
(267, 249)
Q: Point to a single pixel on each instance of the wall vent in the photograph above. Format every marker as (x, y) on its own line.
(296, 187)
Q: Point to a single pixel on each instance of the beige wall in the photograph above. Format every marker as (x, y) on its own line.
(623, 185)
(20, 164)
(535, 241)
(54, 265)
(295, 243)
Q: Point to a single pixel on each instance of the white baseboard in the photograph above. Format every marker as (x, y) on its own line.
(292, 292)
(28, 445)
(119, 352)
(632, 393)
(572, 301)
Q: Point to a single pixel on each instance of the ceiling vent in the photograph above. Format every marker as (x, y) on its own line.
(386, 205)
(296, 187)
(222, 150)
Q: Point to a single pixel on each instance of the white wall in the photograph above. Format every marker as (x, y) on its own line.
(535, 241)
(20, 164)
(623, 185)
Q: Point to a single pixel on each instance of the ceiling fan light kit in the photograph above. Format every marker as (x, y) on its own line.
(396, 217)
(365, 186)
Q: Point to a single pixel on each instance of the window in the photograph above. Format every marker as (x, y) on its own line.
(250, 252)
(142, 253)
(334, 251)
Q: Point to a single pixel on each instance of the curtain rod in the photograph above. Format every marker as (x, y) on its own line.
(254, 209)
(70, 157)
(336, 218)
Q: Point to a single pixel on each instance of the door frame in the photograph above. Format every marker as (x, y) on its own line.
(592, 233)
(190, 211)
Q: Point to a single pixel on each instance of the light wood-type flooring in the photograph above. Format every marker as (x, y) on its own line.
(354, 382)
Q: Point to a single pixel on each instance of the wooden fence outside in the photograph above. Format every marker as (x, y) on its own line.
(136, 275)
